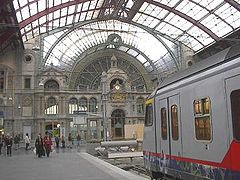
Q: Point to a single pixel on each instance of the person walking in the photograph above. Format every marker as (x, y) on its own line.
(63, 141)
(70, 140)
(57, 141)
(8, 144)
(78, 140)
(1, 143)
(15, 140)
(47, 144)
(18, 141)
(27, 141)
(39, 146)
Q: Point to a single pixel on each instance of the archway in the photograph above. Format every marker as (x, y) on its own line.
(117, 124)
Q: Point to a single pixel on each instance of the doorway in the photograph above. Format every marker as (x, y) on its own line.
(117, 124)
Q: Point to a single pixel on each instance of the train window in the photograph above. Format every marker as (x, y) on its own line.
(174, 120)
(149, 115)
(203, 126)
(235, 102)
(164, 123)
(197, 107)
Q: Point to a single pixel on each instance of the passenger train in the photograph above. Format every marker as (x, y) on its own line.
(192, 122)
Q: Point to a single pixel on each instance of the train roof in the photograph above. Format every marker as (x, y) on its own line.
(219, 58)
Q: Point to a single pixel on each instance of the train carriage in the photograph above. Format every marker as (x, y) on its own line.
(192, 124)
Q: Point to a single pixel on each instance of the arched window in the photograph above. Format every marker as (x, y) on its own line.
(83, 106)
(140, 105)
(93, 105)
(51, 106)
(72, 105)
(51, 85)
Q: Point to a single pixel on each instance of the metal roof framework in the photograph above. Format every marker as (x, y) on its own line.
(194, 23)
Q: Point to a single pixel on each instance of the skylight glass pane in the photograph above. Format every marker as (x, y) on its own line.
(191, 9)
(82, 16)
(57, 2)
(129, 4)
(169, 30)
(79, 8)
(89, 15)
(187, 41)
(43, 29)
(178, 21)
(156, 11)
(56, 23)
(200, 35)
(23, 2)
(216, 25)
(76, 17)
(92, 5)
(42, 20)
(132, 52)
(50, 3)
(35, 23)
(71, 9)
(63, 12)
(19, 18)
(95, 15)
(85, 6)
(148, 21)
(70, 19)
(33, 8)
(25, 13)
(50, 17)
(141, 58)
(122, 48)
(41, 5)
(56, 14)
(229, 14)
(209, 4)
(15, 4)
(170, 3)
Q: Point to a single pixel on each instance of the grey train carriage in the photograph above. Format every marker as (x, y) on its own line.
(192, 122)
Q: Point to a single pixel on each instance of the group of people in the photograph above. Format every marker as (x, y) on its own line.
(43, 145)
(6, 141)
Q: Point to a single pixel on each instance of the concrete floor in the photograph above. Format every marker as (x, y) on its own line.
(68, 164)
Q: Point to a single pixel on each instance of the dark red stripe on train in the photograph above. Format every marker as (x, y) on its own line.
(231, 160)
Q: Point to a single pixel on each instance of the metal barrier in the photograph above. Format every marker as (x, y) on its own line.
(119, 149)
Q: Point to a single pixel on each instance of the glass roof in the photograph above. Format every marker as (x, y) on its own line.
(64, 48)
(195, 23)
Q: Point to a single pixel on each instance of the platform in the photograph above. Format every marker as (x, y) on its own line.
(67, 165)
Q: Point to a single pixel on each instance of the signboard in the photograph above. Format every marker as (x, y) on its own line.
(79, 120)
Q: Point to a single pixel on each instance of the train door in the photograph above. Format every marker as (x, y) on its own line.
(233, 103)
(174, 126)
(170, 128)
(165, 148)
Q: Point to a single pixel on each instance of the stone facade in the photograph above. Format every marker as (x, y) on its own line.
(34, 101)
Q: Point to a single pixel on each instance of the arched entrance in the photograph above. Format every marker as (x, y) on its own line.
(117, 124)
